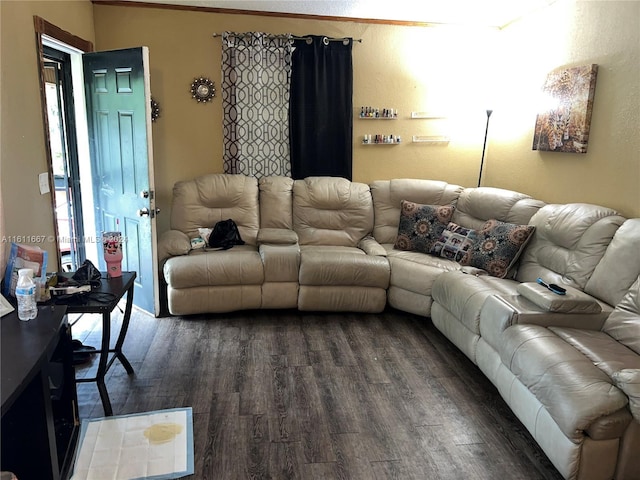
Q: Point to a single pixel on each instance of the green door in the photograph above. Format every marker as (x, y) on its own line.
(119, 120)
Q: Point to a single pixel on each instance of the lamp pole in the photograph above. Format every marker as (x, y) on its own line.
(484, 146)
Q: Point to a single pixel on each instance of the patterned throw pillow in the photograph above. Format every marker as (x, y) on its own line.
(455, 243)
(498, 246)
(421, 225)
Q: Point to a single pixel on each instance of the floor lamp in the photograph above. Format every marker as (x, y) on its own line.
(484, 146)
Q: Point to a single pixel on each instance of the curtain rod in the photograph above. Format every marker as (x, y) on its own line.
(325, 40)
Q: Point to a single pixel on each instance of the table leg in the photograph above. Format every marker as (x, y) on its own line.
(123, 332)
(102, 364)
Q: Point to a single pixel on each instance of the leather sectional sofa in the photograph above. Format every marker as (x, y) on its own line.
(568, 366)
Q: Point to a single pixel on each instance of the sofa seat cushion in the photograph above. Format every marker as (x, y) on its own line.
(444, 264)
(415, 271)
(240, 265)
(342, 266)
(573, 390)
(463, 295)
(605, 352)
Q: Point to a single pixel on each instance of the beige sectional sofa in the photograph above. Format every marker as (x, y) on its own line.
(553, 358)
(568, 366)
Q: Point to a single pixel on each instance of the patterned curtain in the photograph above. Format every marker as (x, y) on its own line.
(256, 72)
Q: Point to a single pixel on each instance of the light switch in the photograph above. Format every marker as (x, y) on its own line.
(43, 181)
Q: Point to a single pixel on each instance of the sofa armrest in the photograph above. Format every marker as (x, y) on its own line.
(172, 243)
(573, 301)
(628, 380)
(277, 236)
(499, 312)
(370, 246)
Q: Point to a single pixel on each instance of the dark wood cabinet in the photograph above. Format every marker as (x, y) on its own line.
(39, 403)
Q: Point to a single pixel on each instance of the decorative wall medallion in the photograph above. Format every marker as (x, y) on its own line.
(155, 110)
(202, 89)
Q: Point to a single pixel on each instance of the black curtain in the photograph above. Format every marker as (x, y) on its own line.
(320, 108)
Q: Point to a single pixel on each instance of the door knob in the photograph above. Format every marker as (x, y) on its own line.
(144, 212)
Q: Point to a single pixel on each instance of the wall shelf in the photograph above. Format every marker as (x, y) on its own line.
(379, 139)
(427, 116)
(373, 113)
(432, 139)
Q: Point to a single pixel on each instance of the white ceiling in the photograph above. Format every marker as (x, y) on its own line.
(493, 13)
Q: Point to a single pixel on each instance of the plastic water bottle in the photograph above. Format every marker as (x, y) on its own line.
(26, 295)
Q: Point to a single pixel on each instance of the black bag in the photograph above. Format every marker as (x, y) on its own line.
(225, 235)
(87, 274)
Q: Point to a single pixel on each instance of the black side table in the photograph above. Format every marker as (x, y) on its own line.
(103, 300)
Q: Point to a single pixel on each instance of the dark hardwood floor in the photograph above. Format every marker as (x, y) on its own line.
(286, 394)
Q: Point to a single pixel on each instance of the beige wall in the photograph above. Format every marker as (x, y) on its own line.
(456, 71)
(394, 66)
(602, 32)
(22, 144)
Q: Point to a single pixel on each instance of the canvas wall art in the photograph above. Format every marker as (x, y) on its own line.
(563, 123)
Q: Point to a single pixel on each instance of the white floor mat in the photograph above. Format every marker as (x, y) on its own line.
(149, 445)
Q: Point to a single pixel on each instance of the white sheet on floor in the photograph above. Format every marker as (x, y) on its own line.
(149, 445)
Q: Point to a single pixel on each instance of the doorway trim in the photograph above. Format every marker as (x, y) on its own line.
(55, 36)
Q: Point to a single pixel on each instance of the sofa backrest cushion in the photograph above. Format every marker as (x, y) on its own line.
(620, 265)
(204, 201)
(276, 202)
(477, 205)
(388, 195)
(624, 322)
(331, 211)
(568, 243)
